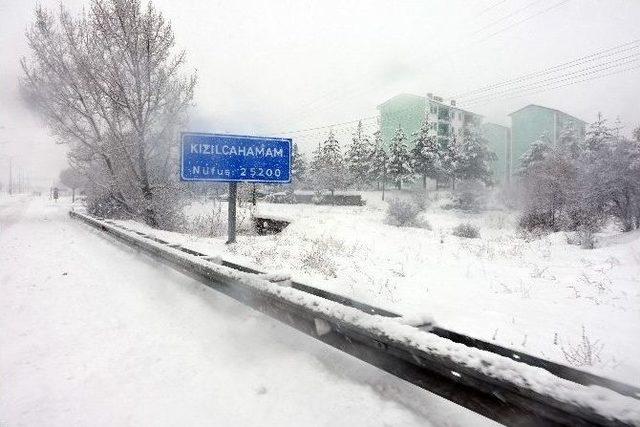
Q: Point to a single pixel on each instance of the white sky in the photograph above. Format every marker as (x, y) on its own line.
(269, 66)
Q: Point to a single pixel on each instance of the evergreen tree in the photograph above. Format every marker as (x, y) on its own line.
(425, 157)
(328, 165)
(316, 160)
(450, 157)
(379, 161)
(569, 140)
(475, 156)
(299, 166)
(536, 153)
(358, 158)
(399, 158)
(598, 135)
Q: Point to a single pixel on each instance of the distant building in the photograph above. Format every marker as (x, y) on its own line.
(409, 111)
(528, 124)
(532, 122)
(499, 141)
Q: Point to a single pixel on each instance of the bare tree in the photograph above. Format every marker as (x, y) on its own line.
(110, 85)
(73, 179)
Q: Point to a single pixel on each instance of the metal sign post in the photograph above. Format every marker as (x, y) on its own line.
(231, 215)
(233, 159)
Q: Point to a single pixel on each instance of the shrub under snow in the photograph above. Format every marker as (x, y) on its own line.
(404, 213)
(466, 230)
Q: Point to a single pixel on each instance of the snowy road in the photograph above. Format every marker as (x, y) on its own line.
(92, 333)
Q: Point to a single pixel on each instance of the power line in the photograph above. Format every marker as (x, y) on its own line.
(514, 13)
(529, 91)
(323, 127)
(552, 82)
(534, 90)
(595, 68)
(352, 93)
(524, 20)
(546, 88)
(634, 44)
(488, 8)
(463, 47)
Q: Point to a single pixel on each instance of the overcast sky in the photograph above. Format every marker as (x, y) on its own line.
(271, 66)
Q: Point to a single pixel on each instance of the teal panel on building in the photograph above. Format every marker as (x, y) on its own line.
(533, 122)
(405, 110)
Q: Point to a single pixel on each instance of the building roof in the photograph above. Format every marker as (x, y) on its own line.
(424, 99)
(546, 108)
(402, 95)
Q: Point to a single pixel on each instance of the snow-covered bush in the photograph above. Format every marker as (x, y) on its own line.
(105, 206)
(421, 199)
(468, 201)
(583, 237)
(535, 221)
(471, 196)
(579, 182)
(404, 213)
(466, 230)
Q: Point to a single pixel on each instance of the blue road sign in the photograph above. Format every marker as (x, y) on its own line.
(234, 158)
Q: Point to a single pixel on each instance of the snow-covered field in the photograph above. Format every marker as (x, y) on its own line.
(542, 296)
(92, 333)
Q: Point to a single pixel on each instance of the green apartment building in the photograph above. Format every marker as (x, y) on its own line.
(528, 124)
(409, 111)
(532, 122)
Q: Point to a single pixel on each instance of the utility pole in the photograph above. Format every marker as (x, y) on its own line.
(10, 176)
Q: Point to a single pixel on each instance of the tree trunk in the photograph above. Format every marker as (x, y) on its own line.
(150, 214)
(73, 195)
(424, 181)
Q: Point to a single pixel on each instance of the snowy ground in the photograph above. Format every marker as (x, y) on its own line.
(534, 295)
(92, 333)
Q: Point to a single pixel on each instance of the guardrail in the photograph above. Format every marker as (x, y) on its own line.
(507, 386)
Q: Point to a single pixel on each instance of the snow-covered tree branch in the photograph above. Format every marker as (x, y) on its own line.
(109, 83)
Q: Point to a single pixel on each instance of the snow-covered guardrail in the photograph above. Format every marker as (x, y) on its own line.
(506, 386)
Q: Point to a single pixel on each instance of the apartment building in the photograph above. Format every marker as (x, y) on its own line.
(409, 111)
